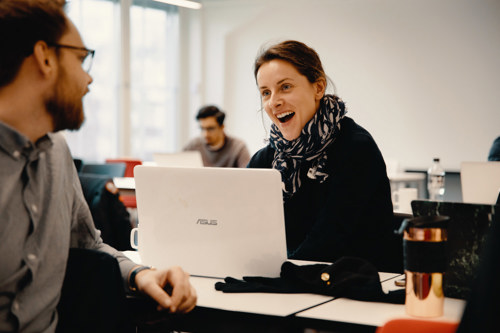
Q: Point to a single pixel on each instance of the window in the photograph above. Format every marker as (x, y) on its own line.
(154, 82)
(131, 107)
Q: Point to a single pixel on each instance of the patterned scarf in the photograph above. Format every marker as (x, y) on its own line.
(311, 145)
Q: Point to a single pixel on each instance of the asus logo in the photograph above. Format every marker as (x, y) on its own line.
(207, 222)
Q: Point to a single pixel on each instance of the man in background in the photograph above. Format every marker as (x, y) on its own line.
(494, 154)
(43, 77)
(217, 149)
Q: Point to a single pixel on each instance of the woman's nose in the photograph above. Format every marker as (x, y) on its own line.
(275, 101)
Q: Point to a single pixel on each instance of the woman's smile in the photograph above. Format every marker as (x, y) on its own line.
(289, 99)
(285, 116)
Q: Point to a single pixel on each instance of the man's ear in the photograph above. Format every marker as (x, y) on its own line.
(45, 58)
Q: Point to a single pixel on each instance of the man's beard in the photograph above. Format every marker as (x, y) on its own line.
(65, 106)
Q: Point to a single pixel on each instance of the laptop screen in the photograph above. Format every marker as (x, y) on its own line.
(211, 221)
(480, 182)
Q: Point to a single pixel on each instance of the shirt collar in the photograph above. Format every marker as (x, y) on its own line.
(16, 144)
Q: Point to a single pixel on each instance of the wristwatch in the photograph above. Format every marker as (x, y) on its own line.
(131, 280)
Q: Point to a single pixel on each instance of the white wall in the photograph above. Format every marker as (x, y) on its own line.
(216, 20)
(423, 76)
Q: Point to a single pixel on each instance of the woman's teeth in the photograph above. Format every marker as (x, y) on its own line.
(285, 116)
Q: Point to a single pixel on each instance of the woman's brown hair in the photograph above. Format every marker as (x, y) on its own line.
(305, 60)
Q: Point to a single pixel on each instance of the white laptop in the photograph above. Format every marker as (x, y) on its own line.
(214, 222)
(480, 182)
(180, 159)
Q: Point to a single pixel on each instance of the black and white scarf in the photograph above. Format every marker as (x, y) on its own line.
(311, 145)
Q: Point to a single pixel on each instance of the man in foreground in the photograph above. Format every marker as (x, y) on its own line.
(42, 209)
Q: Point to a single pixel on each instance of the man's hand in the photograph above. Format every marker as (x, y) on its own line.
(181, 296)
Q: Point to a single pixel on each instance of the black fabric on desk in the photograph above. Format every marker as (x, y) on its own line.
(348, 277)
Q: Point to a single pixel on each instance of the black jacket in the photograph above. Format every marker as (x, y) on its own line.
(350, 214)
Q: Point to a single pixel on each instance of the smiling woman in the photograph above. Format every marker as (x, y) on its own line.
(336, 192)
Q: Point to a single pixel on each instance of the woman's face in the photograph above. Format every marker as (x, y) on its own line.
(289, 99)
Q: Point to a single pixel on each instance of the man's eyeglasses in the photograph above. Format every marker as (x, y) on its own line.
(87, 59)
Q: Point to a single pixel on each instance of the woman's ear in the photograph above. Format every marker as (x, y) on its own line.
(320, 86)
(44, 58)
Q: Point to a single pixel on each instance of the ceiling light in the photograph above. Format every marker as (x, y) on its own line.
(182, 3)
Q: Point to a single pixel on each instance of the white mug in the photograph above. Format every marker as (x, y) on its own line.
(402, 198)
(133, 238)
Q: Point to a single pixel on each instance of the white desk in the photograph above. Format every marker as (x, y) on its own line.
(271, 304)
(373, 313)
(289, 309)
(259, 303)
(125, 183)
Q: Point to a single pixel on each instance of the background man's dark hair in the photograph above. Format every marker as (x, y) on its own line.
(22, 24)
(211, 111)
(494, 154)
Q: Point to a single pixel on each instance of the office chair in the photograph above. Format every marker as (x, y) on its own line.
(111, 170)
(130, 164)
(417, 326)
(78, 164)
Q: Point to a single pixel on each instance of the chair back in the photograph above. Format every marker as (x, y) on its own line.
(111, 170)
(130, 164)
(417, 326)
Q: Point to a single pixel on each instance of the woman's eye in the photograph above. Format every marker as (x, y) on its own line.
(286, 86)
(265, 93)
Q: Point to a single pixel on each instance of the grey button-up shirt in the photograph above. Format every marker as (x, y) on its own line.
(42, 214)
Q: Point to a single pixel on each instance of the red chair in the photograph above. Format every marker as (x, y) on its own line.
(129, 162)
(417, 326)
(129, 201)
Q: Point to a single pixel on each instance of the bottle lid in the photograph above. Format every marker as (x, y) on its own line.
(434, 221)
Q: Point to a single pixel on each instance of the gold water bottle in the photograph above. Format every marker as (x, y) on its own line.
(424, 244)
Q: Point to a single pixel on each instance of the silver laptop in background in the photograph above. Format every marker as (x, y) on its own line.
(191, 159)
(480, 182)
(214, 222)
